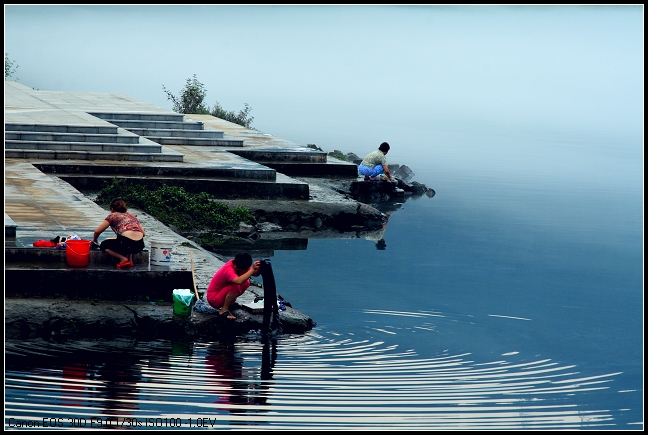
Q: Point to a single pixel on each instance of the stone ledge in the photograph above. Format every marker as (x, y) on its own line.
(45, 280)
(10, 227)
(67, 319)
(19, 254)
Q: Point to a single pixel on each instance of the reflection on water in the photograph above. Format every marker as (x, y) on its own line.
(226, 365)
(265, 243)
(317, 380)
(378, 237)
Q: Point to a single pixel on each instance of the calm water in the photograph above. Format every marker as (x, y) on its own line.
(513, 299)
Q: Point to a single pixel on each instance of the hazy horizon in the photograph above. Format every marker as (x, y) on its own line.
(350, 77)
(511, 299)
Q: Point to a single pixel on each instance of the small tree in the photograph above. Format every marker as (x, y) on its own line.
(191, 99)
(10, 67)
(242, 118)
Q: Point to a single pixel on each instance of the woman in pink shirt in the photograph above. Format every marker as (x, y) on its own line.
(230, 281)
(130, 234)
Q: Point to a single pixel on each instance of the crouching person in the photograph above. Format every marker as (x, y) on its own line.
(230, 281)
(374, 165)
(129, 231)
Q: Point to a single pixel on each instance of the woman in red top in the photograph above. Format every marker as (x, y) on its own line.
(130, 234)
(230, 281)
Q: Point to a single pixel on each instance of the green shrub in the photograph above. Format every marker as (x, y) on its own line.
(191, 99)
(10, 67)
(242, 118)
(175, 206)
(191, 102)
(337, 155)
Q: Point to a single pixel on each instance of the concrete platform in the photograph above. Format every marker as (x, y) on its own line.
(101, 282)
(33, 115)
(43, 183)
(23, 252)
(43, 205)
(42, 196)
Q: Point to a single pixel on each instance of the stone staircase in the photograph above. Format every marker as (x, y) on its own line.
(89, 139)
(240, 178)
(169, 129)
(82, 142)
(120, 136)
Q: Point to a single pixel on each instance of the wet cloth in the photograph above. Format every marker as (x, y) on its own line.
(44, 244)
(202, 306)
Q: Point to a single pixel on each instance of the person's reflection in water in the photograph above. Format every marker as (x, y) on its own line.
(377, 236)
(73, 385)
(227, 365)
(119, 378)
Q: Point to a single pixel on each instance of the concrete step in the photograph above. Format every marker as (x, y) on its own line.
(162, 125)
(165, 156)
(304, 162)
(225, 141)
(151, 147)
(123, 136)
(234, 169)
(33, 265)
(59, 128)
(260, 248)
(223, 188)
(316, 170)
(139, 283)
(153, 132)
(30, 254)
(266, 155)
(138, 116)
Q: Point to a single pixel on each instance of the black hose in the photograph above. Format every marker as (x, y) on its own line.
(270, 308)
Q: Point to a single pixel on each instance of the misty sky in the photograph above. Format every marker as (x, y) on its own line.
(350, 77)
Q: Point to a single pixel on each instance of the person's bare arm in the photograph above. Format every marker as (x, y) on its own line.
(100, 229)
(254, 270)
(387, 172)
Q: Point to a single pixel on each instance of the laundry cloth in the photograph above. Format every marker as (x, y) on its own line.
(202, 306)
(44, 244)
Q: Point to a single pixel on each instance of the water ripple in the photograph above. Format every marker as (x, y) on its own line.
(307, 381)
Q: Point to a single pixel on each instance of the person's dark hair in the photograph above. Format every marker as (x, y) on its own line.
(384, 147)
(118, 205)
(243, 260)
